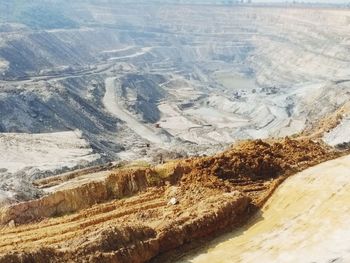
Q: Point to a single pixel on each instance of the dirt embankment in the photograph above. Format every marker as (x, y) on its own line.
(306, 220)
(326, 124)
(136, 214)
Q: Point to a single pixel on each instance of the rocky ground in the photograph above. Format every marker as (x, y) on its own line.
(135, 213)
(26, 157)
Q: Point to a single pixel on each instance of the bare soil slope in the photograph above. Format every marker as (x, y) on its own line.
(136, 214)
(306, 220)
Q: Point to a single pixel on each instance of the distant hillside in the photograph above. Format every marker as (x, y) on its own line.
(38, 15)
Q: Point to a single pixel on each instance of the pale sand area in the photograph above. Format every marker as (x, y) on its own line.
(306, 220)
(45, 151)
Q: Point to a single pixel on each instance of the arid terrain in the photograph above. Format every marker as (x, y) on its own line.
(129, 81)
(135, 213)
(139, 131)
(306, 220)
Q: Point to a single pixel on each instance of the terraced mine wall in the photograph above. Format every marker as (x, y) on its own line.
(247, 76)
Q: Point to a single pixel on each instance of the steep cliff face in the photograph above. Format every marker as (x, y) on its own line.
(118, 185)
(131, 230)
(134, 214)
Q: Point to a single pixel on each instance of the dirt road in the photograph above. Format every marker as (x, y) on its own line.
(110, 101)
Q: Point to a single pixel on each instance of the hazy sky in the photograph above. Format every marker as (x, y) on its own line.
(310, 1)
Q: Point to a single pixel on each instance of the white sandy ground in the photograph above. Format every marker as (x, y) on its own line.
(119, 50)
(25, 155)
(3, 65)
(340, 134)
(133, 55)
(221, 119)
(78, 181)
(44, 151)
(306, 220)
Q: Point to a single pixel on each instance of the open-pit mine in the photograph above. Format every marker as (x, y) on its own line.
(174, 131)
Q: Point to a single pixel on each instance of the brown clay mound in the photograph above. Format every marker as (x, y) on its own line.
(254, 167)
(128, 216)
(258, 160)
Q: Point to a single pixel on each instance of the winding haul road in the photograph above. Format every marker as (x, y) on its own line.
(306, 220)
(110, 101)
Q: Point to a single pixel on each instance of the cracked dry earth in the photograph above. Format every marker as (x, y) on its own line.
(127, 217)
